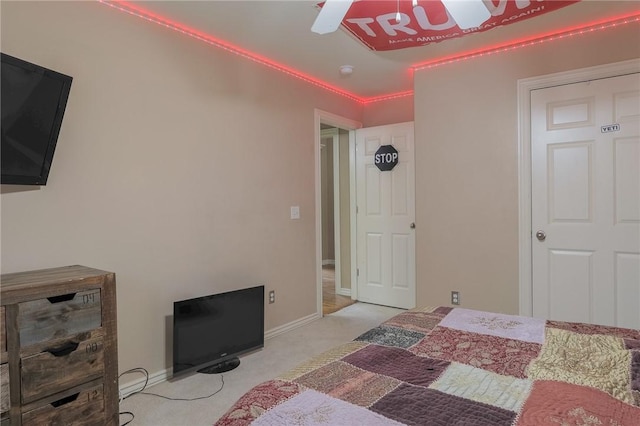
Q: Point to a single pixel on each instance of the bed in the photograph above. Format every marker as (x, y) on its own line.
(454, 366)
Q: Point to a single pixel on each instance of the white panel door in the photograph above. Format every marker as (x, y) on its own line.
(585, 159)
(385, 218)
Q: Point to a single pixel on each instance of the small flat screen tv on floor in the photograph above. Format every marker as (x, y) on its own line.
(210, 332)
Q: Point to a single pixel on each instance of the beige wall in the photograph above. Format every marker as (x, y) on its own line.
(327, 171)
(390, 111)
(345, 210)
(175, 168)
(466, 165)
(326, 197)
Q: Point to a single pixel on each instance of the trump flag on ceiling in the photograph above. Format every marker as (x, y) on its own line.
(375, 22)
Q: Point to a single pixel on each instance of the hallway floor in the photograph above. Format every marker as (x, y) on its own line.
(332, 302)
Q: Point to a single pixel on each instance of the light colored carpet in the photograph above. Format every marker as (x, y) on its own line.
(279, 354)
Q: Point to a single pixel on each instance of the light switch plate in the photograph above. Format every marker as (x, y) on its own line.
(295, 212)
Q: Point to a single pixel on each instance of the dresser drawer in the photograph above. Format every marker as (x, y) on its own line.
(62, 367)
(59, 316)
(3, 332)
(5, 402)
(82, 408)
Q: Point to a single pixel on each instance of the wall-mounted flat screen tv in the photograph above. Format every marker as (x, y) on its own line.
(210, 332)
(34, 99)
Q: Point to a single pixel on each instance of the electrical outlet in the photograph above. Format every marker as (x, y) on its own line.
(455, 297)
(272, 296)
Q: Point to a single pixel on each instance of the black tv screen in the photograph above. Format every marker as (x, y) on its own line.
(210, 332)
(33, 104)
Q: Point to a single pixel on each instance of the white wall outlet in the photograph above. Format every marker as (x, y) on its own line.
(455, 297)
(272, 296)
(295, 212)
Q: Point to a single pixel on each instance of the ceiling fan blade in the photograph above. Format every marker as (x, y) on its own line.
(330, 16)
(467, 13)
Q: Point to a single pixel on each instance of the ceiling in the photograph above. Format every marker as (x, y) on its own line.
(280, 31)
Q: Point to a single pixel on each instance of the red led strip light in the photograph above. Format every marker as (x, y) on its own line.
(578, 30)
(134, 10)
(388, 97)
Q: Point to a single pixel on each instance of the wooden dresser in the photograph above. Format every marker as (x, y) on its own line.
(59, 357)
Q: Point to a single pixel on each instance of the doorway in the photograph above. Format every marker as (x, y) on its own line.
(345, 129)
(618, 146)
(585, 196)
(395, 195)
(386, 216)
(335, 219)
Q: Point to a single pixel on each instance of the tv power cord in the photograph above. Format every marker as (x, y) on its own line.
(144, 386)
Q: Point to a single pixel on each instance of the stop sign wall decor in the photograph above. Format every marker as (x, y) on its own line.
(386, 157)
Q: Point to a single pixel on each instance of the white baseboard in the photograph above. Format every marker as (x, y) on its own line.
(128, 388)
(290, 326)
(136, 385)
(328, 262)
(344, 292)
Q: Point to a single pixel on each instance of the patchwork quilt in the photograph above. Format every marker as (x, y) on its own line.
(446, 366)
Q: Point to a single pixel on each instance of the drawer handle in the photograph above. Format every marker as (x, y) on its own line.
(64, 350)
(66, 400)
(61, 298)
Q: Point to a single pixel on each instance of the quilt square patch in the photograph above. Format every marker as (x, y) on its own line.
(421, 322)
(503, 356)
(444, 310)
(313, 408)
(325, 358)
(253, 404)
(407, 403)
(397, 363)
(344, 381)
(632, 344)
(575, 405)
(635, 371)
(391, 336)
(594, 360)
(492, 324)
(483, 386)
(625, 333)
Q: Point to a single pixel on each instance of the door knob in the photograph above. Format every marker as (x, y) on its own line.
(541, 236)
(412, 225)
